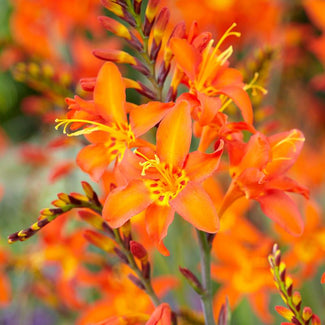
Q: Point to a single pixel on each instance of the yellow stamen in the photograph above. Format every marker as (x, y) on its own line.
(122, 132)
(255, 87)
(211, 60)
(172, 180)
(251, 85)
(291, 141)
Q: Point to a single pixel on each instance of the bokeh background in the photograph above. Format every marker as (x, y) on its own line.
(45, 48)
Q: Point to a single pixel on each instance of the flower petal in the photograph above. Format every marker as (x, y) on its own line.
(281, 208)
(109, 94)
(5, 290)
(158, 219)
(209, 108)
(285, 148)
(287, 184)
(162, 315)
(200, 166)
(241, 99)
(256, 154)
(196, 207)
(174, 135)
(125, 202)
(186, 56)
(144, 117)
(93, 160)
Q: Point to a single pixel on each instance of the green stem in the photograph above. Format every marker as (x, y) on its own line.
(206, 297)
(133, 265)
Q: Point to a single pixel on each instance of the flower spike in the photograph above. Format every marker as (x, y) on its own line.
(294, 313)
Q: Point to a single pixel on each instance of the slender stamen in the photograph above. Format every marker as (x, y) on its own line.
(211, 59)
(122, 132)
(291, 141)
(67, 122)
(255, 87)
(171, 182)
(227, 34)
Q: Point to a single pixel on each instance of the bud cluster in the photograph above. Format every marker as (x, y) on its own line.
(63, 204)
(284, 283)
(145, 35)
(44, 78)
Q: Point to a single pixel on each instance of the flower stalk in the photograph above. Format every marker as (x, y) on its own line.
(206, 296)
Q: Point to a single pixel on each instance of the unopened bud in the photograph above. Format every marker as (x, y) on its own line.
(158, 32)
(99, 240)
(150, 16)
(137, 6)
(64, 197)
(315, 320)
(90, 193)
(115, 27)
(88, 84)
(138, 251)
(59, 203)
(296, 298)
(193, 280)
(136, 281)
(121, 256)
(307, 314)
(119, 9)
(77, 198)
(121, 57)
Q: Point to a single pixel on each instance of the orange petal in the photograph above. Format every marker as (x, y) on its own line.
(256, 154)
(162, 315)
(125, 202)
(93, 160)
(62, 169)
(5, 290)
(158, 219)
(260, 303)
(233, 193)
(109, 94)
(174, 135)
(164, 283)
(144, 117)
(97, 312)
(323, 278)
(200, 166)
(241, 99)
(287, 184)
(228, 76)
(281, 208)
(209, 107)
(186, 55)
(285, 148)
(196, 207)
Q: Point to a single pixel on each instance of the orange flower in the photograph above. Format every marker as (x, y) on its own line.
(160, 316)
(308, 250)
(209, 75)
(166, 182)
(258, 172)
(216, 15)
(51, 23)
(242, 267)
(104, 123)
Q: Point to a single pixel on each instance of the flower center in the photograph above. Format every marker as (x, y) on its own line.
(120, 134)
(212, 60)
(170, 183)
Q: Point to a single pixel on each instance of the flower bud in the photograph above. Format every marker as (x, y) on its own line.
(99, 240)
(193, 280)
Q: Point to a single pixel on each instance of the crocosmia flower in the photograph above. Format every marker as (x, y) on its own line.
(166, 181)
